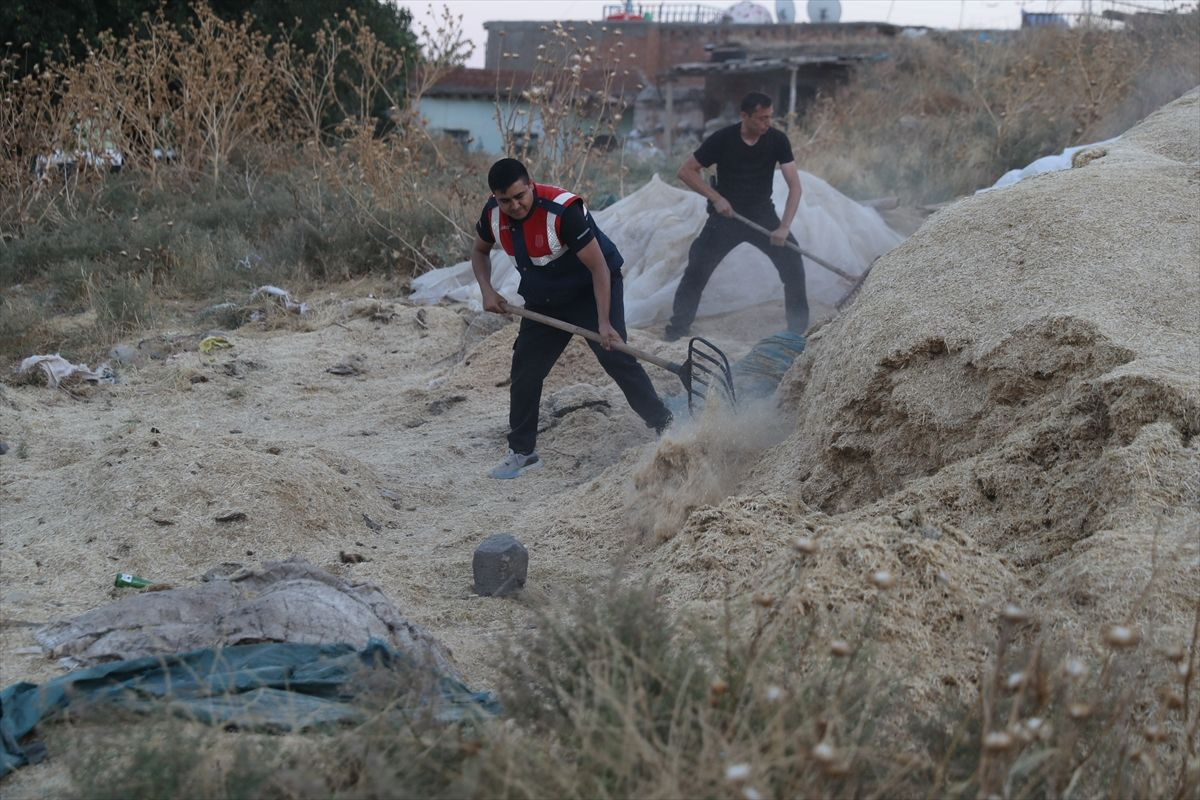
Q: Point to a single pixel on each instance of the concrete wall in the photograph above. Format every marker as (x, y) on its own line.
(478, 117)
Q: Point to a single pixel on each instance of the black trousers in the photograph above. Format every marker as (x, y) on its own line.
(716, 239)
(538, 346)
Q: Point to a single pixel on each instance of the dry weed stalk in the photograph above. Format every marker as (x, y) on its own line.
(386, 179)
(612, 696)
(554, 118)
(970, 110)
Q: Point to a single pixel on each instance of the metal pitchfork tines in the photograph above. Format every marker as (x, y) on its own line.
(706, 366)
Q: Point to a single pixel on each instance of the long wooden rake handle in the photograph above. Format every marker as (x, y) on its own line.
(670, 366)
(834, 269)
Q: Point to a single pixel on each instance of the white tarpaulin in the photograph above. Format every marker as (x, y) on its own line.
(1051, 163)
(655, 226)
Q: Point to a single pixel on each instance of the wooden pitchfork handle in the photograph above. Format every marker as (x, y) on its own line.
(835, 270)
(590, 335)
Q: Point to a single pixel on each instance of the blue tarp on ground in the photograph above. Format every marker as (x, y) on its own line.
(274, 686)
(758, 373)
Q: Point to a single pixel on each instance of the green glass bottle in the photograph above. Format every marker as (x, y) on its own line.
(126, 580)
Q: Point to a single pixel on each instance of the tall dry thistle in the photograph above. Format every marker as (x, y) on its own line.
(554, 117)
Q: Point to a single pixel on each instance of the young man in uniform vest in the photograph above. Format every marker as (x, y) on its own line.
(570, 271)
(745, 155)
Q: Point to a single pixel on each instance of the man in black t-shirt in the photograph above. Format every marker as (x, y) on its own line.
(745, 156)
(570, 271)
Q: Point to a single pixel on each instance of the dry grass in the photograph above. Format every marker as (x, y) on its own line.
(967, 111)
(611, 696)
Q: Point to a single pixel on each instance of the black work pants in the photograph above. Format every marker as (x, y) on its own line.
(719, 236)
(538, 346)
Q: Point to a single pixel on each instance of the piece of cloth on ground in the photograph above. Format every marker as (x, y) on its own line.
(57, 370)
(655, 226)
(283, 601)
(266, 687)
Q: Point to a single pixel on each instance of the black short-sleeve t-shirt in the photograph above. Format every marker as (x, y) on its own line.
(575, 229)
(744, 172)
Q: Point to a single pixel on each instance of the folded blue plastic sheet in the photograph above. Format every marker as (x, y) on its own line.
(758, 373)
(275, 687)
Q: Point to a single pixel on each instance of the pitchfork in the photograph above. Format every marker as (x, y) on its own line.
(706, 366)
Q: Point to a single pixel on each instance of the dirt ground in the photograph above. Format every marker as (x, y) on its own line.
(131, 477)
(1008, 413)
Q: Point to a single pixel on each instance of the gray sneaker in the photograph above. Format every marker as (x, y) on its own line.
(515, 465)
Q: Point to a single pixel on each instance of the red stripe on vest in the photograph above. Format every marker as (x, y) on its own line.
(537, 239)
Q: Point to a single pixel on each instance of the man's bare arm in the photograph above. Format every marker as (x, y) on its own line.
(691, 176)
(792, 178)
(593, 258)
(481, 265)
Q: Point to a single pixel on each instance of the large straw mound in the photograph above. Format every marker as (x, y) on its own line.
(1025, 368)
(1071, 294)
(1006, 414)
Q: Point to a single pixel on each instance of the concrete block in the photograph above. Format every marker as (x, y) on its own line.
(500, 565)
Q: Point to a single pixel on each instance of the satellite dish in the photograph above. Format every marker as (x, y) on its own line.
(749, 13)
(785, 12)
(824, 10)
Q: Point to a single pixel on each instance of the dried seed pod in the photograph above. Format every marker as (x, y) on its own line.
(998, 742)
(1014, 613)
(1174, 652)
(1079, 711)
(735, 773)
(1037, 728)
(804, 545)
(1155, 733)
(1121, 637)
(1169, 697)
(824, 753)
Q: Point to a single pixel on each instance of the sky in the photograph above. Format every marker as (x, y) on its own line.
(930, 13)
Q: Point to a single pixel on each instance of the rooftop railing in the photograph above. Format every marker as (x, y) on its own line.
(664, 12)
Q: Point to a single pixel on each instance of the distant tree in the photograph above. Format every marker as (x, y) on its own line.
(60, 27)
(37, 29)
